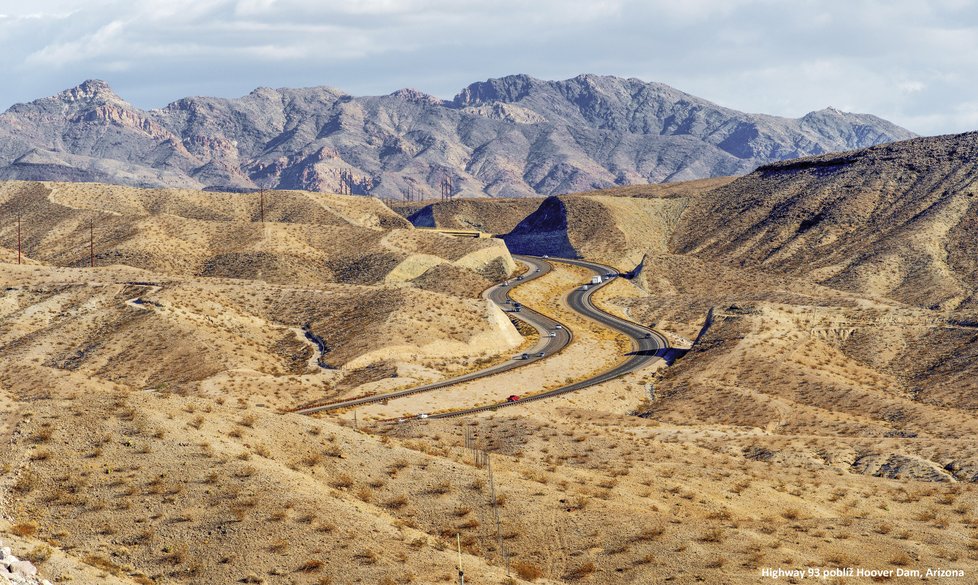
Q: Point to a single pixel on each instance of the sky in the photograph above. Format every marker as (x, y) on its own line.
(914, 62)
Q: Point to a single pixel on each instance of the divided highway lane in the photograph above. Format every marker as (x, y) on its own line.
(498, 294)
(648, 344)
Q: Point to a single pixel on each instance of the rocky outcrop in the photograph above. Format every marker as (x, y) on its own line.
(513, 136)
(14, 571)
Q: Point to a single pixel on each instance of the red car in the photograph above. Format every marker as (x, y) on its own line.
(513, 398)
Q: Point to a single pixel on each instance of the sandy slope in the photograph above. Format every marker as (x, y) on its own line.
(814, 424)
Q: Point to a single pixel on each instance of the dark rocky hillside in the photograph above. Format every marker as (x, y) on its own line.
(897, 220)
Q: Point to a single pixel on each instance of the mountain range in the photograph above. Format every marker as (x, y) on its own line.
(514, 136)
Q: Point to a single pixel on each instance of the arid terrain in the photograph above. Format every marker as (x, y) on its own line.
(824, 415)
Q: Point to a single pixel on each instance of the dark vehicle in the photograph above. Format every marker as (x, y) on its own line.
(520, 277)
(541, 354)
(648, 336)
(513, 398)
(525, 356)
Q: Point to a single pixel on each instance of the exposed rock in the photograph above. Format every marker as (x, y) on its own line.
(895, 220)
(514, 136)
(14, 571)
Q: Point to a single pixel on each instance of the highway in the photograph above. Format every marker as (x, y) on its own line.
(648, 344)
(498, 294)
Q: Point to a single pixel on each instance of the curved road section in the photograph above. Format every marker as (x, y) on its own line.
(648, 344)
(498, 294)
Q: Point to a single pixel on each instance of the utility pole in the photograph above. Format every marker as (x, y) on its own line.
(446, 189)
(91, 243)
(495, 512)
(261, 203)
(18, 238)
(461, 574)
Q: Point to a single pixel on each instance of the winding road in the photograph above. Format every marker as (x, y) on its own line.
(648, 345)
(498, 294)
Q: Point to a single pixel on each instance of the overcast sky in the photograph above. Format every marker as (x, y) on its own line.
(914, 62)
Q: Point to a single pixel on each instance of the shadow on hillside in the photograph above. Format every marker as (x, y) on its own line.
(669, 354)
(543, 232)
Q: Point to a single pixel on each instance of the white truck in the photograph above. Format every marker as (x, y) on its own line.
(596, 280)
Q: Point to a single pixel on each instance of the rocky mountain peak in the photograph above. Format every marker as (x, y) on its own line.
(511, 136)
(413, 95)
(89, 90)
(511, 88)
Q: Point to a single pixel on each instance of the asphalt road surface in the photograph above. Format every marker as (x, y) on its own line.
(648, 344)
(498, 294)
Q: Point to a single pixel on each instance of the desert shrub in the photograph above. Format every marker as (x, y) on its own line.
(176, 554)
(103, 563)
(441, 488)
(527, 571)
(712, 535)
(42, 435)
(312, 459)
(580, 572)
(311, 566)
(342, 481)
(24, 529)
(39, 554)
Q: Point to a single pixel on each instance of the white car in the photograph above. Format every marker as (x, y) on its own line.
(423, 415)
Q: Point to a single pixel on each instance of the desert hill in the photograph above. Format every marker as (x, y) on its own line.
(189, 286)
(896, 220)
(511, 137)
(496, 216)
(842, 278)
(815, 421)
(307, 238)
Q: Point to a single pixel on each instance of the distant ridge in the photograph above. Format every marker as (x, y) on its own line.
(513, 136)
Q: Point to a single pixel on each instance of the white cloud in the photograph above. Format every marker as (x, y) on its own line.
(910, 61)
(101, 42)
(911, 86)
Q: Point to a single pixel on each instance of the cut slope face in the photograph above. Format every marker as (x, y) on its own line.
(496, 216)
(615, 230)
(897, 220)
(511, 137)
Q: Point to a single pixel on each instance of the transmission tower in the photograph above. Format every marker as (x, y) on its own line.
(447, 189)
